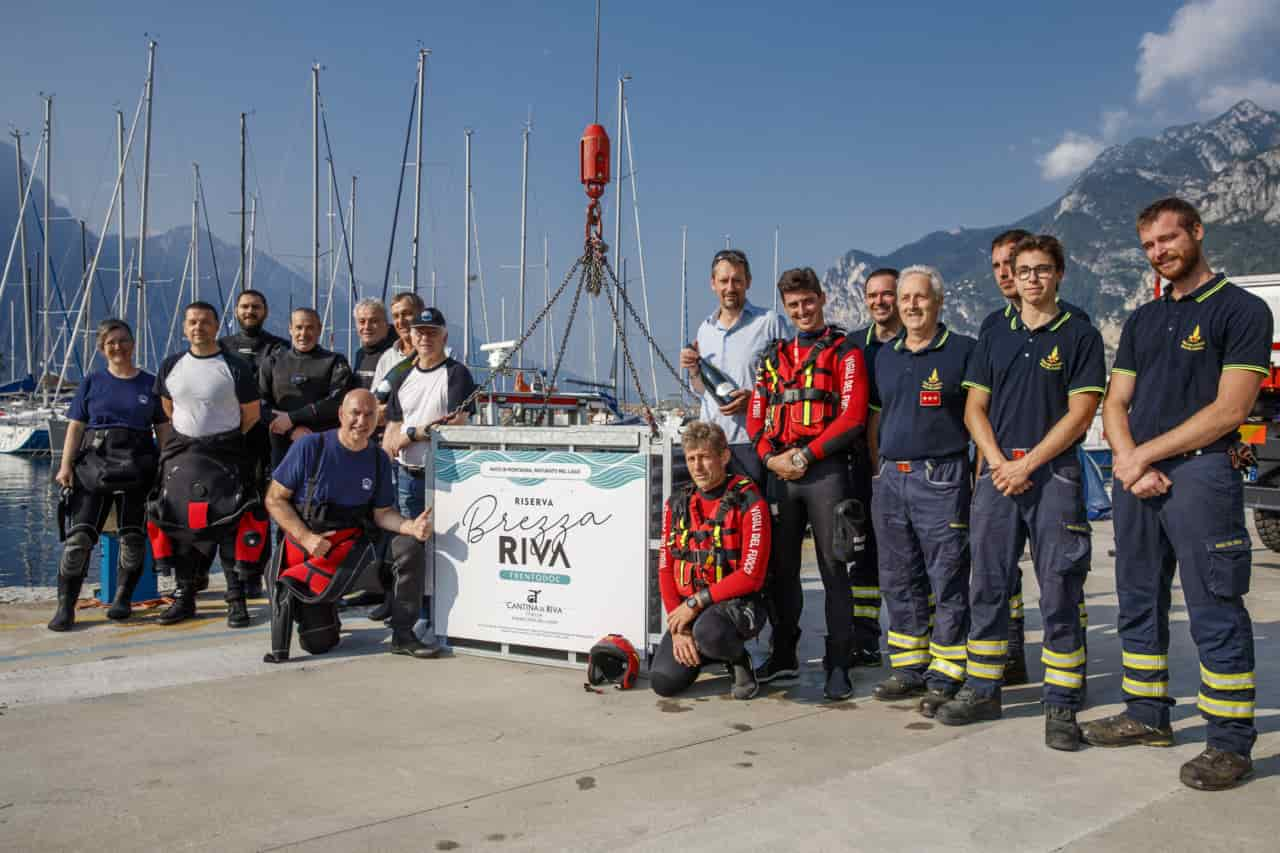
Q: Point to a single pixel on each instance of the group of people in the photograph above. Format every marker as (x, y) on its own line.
(962, 451)
(236, 432)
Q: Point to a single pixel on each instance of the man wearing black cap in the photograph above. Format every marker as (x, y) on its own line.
(431, 394)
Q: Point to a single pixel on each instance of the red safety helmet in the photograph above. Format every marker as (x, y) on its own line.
(613, 659)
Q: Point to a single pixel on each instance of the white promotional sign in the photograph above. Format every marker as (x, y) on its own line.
(542, 548)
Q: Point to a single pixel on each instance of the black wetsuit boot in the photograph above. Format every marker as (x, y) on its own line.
(68, 594)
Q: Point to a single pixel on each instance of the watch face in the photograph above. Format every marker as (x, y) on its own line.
(797, 459)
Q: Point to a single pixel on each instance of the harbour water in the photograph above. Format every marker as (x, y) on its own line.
(29, 547)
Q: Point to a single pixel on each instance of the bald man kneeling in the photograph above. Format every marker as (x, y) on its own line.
(331, 495)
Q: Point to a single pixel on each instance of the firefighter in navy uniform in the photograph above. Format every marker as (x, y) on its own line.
(881, 295)
(713, 563)
(1003, 319)
(921, 504)
(1186, 374)
(1033, 391)
(807, 413)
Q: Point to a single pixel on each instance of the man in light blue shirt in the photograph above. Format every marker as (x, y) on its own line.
(729, 340)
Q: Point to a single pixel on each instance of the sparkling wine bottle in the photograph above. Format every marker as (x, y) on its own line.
(720, 387)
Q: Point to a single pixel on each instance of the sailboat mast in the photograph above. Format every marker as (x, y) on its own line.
(244, 269)
(253, 240)
(617, 232)
(122, 275)
(26, 270)
(142, 334)
(45, 260)
(466, 262)
(315, 186)
(195, 232)
(684, 285)
(352, 296)
(417, 173)
(524, 210)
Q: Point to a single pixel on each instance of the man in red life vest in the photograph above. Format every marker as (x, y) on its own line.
(807, 412)
(715, 553)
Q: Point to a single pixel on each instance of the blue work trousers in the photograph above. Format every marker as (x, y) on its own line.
(920, 510)
(1198, 525)
(1052, 515)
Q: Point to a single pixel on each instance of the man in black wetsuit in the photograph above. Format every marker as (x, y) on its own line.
(376, 337)
(253, 344)
(302, 387)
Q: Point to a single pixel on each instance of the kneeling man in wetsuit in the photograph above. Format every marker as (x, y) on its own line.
(331, 495)
(715, 552)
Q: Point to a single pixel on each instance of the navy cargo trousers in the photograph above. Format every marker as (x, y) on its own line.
(1199, 526)
(920, 510)
(1052, 515)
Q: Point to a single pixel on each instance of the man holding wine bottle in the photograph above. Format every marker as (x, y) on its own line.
(721, 360)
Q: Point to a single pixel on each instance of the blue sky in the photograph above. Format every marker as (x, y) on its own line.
(848, 125)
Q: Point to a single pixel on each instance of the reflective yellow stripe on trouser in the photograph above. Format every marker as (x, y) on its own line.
(986, 659)
(1146, 676)
(866, 602)
(907, 650)
(1227, 694)
(948, 660)
(1064, 669)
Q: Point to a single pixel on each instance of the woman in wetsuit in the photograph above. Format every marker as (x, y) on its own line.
(109, 460)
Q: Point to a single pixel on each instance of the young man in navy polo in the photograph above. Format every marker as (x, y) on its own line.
(1004, 319)
(920, 502)
(1186, 375)
(1033, 390)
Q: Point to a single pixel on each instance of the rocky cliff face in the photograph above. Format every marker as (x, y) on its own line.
(1229, 167)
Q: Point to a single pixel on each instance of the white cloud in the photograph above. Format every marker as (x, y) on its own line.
(1263, 92)
(1070, 156)
(1114, 123)
(1205, 38)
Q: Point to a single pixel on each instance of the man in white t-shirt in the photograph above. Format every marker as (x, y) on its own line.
(431, 392)
(212, 400)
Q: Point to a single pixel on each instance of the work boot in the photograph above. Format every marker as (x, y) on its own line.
(382, 612)
(935, 699)
(781, 666)
(1216, 770)
(838, 686)
(970, 707)
(237, 613)
(1060, 729)
(122, 605)
(405, 643)
(745, 685)
(181, 608)
(68, 594)
(1123, 730)
(902, 684)
(866, 656)
(202, 580)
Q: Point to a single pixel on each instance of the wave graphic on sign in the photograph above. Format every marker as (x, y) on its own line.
(607, 470)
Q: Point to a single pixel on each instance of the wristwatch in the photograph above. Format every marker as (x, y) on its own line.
(692, 603)
(799, 460)
(411, 433)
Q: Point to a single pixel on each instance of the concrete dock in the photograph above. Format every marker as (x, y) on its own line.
(140, 737)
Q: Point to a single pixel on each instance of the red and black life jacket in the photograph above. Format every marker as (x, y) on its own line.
(803, 394)
(704, 550)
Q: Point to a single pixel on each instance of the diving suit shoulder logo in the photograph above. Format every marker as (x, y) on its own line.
(1193, 342)
(1052, 361)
